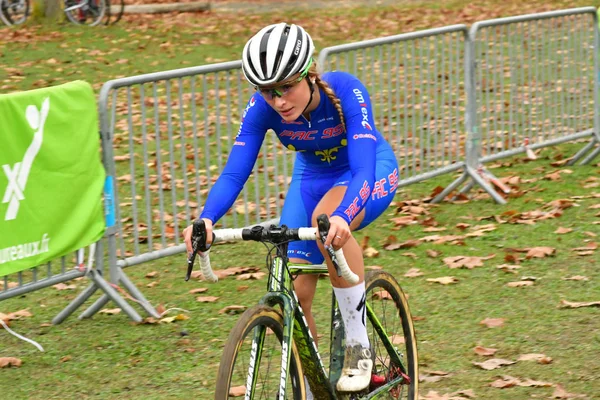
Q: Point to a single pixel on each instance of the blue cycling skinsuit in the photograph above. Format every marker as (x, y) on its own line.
(359, 158)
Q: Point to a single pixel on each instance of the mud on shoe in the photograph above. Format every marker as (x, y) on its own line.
(356, 374)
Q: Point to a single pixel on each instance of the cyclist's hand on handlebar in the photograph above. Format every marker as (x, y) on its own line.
(187, 235)
(339, 232)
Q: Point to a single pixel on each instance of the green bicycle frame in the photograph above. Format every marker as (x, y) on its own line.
(295, 327)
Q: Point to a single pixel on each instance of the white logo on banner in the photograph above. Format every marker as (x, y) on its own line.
(17, 176)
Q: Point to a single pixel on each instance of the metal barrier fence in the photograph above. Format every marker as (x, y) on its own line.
(415, 81)
(170, 133)
(534, 80)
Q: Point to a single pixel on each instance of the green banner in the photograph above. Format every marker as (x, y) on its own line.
(52, 176)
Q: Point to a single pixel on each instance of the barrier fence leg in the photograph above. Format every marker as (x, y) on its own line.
(582, 152)
(590, 157)
(481, 177)
(145, 304)
(450, 188)
(110, 294)
(78, 301)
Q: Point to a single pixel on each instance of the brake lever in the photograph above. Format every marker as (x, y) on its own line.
(323, 226)
(198, 244)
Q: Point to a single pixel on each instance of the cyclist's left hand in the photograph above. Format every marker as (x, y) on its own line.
(339, 232)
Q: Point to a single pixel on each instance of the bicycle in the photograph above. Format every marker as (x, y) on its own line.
(276, 332)
(80, 12)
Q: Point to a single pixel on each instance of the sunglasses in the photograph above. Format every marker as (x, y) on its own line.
(282, 90)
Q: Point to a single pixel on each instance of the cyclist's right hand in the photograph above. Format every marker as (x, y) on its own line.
(187, 235)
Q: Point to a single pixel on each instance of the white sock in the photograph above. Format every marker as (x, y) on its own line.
(351, 302)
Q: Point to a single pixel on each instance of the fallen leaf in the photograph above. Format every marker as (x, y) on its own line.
(445, 280)
(62, 286)
(152, 284)
(469, 262)
(66, 358)
(493, 322)
(251, 275)
(6, 362)
(413, 273)
(540, 252)
(540, 358)
(520, 284)
(569, 304)
(433, 376)
(561, 393)
(237, 391)
(485, 351)
(206, 299)
(433, 253)
(532, 383)
(509, 268)
(493, 363)
(232, 310)
(198, 290)
(152, 274)
(576, 278)
(505, 382)
(110, 311)
(562, 230)
(370, 252)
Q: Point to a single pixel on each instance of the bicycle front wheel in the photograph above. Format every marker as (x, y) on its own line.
(85, 12)
(256, 341)
(390, 318)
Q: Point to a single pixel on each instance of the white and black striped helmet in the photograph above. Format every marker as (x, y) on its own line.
(276, 53)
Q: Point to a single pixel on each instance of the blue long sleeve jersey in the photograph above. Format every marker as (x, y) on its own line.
(321, 144)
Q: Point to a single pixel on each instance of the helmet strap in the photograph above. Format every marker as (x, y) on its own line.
(312, 90)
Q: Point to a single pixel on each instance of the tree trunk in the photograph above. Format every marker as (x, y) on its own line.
(47, 10)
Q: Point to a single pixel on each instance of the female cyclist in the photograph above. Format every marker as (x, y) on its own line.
(343, 168)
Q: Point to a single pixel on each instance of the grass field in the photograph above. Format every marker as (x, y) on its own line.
(545, 238)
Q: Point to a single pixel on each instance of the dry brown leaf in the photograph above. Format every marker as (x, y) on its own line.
(493, 363)
(577, 278)
(562, 230)
(237, 391)
(62, 286)
(493, 322)
(532, 383)
(520, 284)
(207, 299)
(66, 358)
(233, 309)
(250, 276)
(198, 290)
(505, 382)
(571, 304)
(370, 252)
(561, 393)
(509, 268)
(485, 351)
(6, 362)
(445, 280)
(413, 273)
(152, 284)
(152, 274)
(382, 295)
(110, 311)
(469, 262)
(540, 358)
(433, 376)
(540, 252)
(433, 253)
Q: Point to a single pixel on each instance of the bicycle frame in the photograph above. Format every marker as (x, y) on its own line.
(296, 327)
